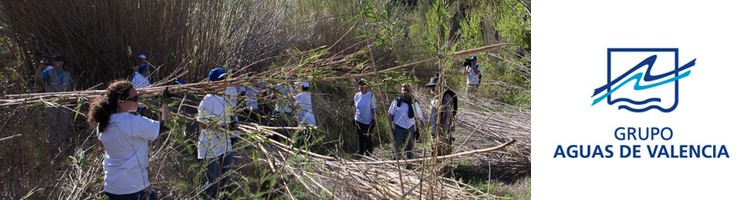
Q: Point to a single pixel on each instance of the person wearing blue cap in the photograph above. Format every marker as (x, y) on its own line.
(474, 76)
(140, 79)
(214, 144)
(142, 72)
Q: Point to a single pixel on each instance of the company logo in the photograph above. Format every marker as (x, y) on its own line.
(655, 82)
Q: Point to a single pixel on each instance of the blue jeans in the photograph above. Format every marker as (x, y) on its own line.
(144, 194)
(403, 139)
(217, 169)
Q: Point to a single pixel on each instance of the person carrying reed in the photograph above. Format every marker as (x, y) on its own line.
(216, 114)
(125, 139)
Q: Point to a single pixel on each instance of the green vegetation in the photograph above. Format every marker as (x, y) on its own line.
(305, 39)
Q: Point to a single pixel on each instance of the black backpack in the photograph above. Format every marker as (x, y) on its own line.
(455, 100)
(398, 104)
(480, 77)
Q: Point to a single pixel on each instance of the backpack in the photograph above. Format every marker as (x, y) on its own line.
(398, 104)
(454, 97)
(399, 100)
(480, 75)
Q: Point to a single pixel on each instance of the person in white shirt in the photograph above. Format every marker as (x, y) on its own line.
(364, 117)
(140, 78)
(474, 76)
(125, 139)
(305, 116)
(142, 72)
(402, 117)
(216, 115)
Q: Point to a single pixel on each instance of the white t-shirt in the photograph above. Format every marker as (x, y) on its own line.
(303, 102)
(139, 81)
(364, 104)
(212, 143)
(472, 79)
(401, 114)
(125, 142)
(283, 102)
(252, 99)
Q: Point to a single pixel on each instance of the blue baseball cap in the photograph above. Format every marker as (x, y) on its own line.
(216, 73)
(179, 82)
(222, 76)
(303, 84)
(473, 58)
(142, 56)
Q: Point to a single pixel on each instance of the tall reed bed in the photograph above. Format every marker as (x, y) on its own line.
(101, 39)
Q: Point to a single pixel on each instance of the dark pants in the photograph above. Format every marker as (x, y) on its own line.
(144, 194)
(217, 175)
(403, 141)
(365, 138)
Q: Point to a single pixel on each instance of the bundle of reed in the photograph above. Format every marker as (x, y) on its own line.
(309, 66)
(480, 120)
(494, 121)
(62, 98)
(375, 178)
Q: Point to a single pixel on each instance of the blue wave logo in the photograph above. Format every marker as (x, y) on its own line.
(653, 86)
